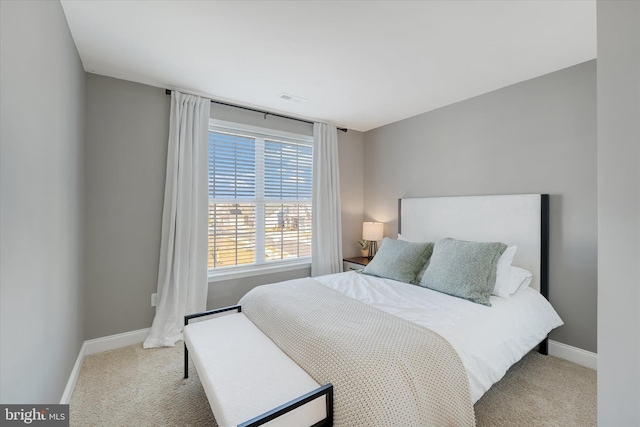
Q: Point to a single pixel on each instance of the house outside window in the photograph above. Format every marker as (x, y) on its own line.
(260, 184)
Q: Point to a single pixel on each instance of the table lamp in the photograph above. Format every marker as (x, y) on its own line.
(372, 231)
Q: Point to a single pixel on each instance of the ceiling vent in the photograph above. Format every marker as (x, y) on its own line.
(288, 97)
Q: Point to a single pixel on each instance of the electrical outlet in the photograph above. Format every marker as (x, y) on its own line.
(154, 300)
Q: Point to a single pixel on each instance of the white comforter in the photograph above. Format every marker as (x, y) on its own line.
(488, 339)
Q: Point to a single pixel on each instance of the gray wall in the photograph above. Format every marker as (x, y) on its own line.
(127, 132)
(618, 213)
(351, 153)
(127, 129)
(41, 220)
(538, 136)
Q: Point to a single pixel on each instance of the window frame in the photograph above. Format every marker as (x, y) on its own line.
(235, 272)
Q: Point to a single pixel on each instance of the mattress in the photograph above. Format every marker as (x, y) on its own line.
(488, 339)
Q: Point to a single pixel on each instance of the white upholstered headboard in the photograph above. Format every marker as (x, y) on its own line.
(521, 220)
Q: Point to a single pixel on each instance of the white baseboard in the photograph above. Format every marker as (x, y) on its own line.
(573, 354)
(112, 342)
(98, 345)
(73, 378)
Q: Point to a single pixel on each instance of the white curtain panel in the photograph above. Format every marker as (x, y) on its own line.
(326, 248)
(182, 274)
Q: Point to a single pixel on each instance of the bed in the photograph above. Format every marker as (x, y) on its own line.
(319, 324)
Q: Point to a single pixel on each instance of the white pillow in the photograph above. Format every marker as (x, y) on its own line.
(501, 287)
(519, 279)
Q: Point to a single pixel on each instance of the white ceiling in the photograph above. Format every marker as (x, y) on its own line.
(359, 64)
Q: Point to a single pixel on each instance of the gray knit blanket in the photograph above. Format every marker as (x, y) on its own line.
(386, 371)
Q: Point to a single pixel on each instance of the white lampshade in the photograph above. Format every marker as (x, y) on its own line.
(372, 231)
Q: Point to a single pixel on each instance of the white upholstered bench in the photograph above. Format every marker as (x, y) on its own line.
(248, 380)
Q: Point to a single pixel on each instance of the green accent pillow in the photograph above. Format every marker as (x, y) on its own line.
(464, 269)
(399, 260)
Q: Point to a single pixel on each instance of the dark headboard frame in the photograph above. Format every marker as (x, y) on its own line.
(544, 250)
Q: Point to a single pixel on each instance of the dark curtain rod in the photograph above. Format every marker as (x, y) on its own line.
(266, 113)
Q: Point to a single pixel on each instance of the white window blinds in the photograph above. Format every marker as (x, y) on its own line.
(259, 199)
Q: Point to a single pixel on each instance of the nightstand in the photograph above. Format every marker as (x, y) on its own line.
(356, 263)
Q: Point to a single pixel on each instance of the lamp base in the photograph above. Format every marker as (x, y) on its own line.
(373, 248)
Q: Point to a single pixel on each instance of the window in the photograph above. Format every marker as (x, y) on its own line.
(259, 198)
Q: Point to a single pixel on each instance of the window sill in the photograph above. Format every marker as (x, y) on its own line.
(238, 273)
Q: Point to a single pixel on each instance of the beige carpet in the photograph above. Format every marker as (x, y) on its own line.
(135, 387)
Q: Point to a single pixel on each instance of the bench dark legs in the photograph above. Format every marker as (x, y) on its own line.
(186, 362)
